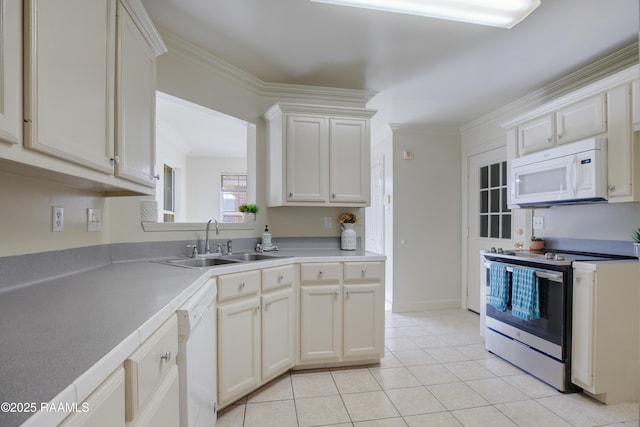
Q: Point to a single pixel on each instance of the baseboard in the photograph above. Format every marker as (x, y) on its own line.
(403, 307)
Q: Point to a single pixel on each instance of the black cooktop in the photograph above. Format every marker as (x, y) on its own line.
(553, 256)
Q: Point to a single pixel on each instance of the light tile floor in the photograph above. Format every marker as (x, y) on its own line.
(435, 372)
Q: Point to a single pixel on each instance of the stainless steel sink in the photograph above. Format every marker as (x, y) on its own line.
(200, 262)
(253, 256)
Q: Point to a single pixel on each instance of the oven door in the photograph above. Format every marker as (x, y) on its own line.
(546, 334)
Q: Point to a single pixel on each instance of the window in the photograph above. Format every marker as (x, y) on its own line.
(495, 216)
(169, 201)
(233, 193)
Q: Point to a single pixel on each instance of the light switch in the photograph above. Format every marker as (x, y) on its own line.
(94, 219)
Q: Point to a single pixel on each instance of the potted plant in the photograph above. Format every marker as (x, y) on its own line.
(536, 244)
(348, 239)
(249, 211)
(636, 242)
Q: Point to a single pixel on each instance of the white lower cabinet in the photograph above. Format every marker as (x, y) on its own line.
(151, 379)
(604, 350)
(278, 351)
(238, 349)
(320, 323)
(341, 316)
(105, 406)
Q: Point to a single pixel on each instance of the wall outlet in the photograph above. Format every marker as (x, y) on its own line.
(327, 222)
(94, 219)
(538, 222)
(57, 218)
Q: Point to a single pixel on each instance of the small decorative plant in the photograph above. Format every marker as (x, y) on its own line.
(636, 235)
(537, 243)
(348, 218)
(249, 208)
(537, 239)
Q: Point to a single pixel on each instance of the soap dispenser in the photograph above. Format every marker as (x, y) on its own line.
(266, 237)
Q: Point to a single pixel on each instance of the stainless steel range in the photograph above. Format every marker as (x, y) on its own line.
(540, 346)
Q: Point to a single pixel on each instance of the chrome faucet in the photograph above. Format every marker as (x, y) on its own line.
(229, 247)
(207, 249)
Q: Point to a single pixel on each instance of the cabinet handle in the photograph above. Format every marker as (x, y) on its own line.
(280, 278)
(166, 357)
(115, 159)
(156, 177)
(290, 194)
(611, 187)
(241, 287)
(333, 195)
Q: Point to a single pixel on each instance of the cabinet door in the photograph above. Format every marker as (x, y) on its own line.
(163, 410)
(349, 162)
(581, 119)
(277, 333)
(307, 155)
(11, 71)
(363, 321)
(105, 405)
(136, 85)
(69, 88)
(238, 349)
(582, 345)
(536, 135)
(320, 323)
(621, 155)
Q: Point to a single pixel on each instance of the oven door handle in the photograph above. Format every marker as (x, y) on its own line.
(544, 274)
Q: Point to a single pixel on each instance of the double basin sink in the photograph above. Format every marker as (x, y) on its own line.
(215, 260)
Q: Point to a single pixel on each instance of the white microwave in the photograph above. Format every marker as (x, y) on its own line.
(571, 173)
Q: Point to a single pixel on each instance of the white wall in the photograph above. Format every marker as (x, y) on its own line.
(426, 219)
(203, 185)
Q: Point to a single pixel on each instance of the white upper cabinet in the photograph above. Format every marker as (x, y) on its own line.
(636, 103)
(11, 71)
(318, 155)
(69, 88)
(89, 93)
(570, 123)
(136, 94)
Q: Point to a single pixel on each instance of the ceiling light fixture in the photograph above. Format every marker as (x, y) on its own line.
(495, 13)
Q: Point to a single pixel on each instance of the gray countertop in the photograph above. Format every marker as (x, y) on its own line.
(55, 331)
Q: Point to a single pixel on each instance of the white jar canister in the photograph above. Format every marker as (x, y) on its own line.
(348, 239)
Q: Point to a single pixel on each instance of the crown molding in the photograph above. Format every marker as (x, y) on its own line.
(609, 65)
(145, 25)
(191, 52)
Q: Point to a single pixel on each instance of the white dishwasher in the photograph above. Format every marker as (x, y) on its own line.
(197, 357)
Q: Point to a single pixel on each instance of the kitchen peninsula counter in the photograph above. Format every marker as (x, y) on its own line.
(62, 337)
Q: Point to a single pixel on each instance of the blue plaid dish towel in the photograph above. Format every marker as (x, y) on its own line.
(525, 296)
(498, 286)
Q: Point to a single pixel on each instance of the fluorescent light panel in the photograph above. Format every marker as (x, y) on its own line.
(495, 13)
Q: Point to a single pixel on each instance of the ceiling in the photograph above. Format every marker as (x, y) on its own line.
(424, 70)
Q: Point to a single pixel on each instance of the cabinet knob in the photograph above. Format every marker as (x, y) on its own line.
(320, 273)
(333, 195)
(115, 159)
(611, 187)
(549, 139)
(257, 308)
(242, 285)
(576, 279)
(268, 304)
(290, 194)
(559, 136)
(364, 272)
(166, 357)
(336, 293)
(156, 177)
(348, 293)
(280, 278)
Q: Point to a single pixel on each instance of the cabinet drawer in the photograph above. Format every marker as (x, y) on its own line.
(238, 285)
(320, 272)
(277, 277)
(358, 271)
(147, 366)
